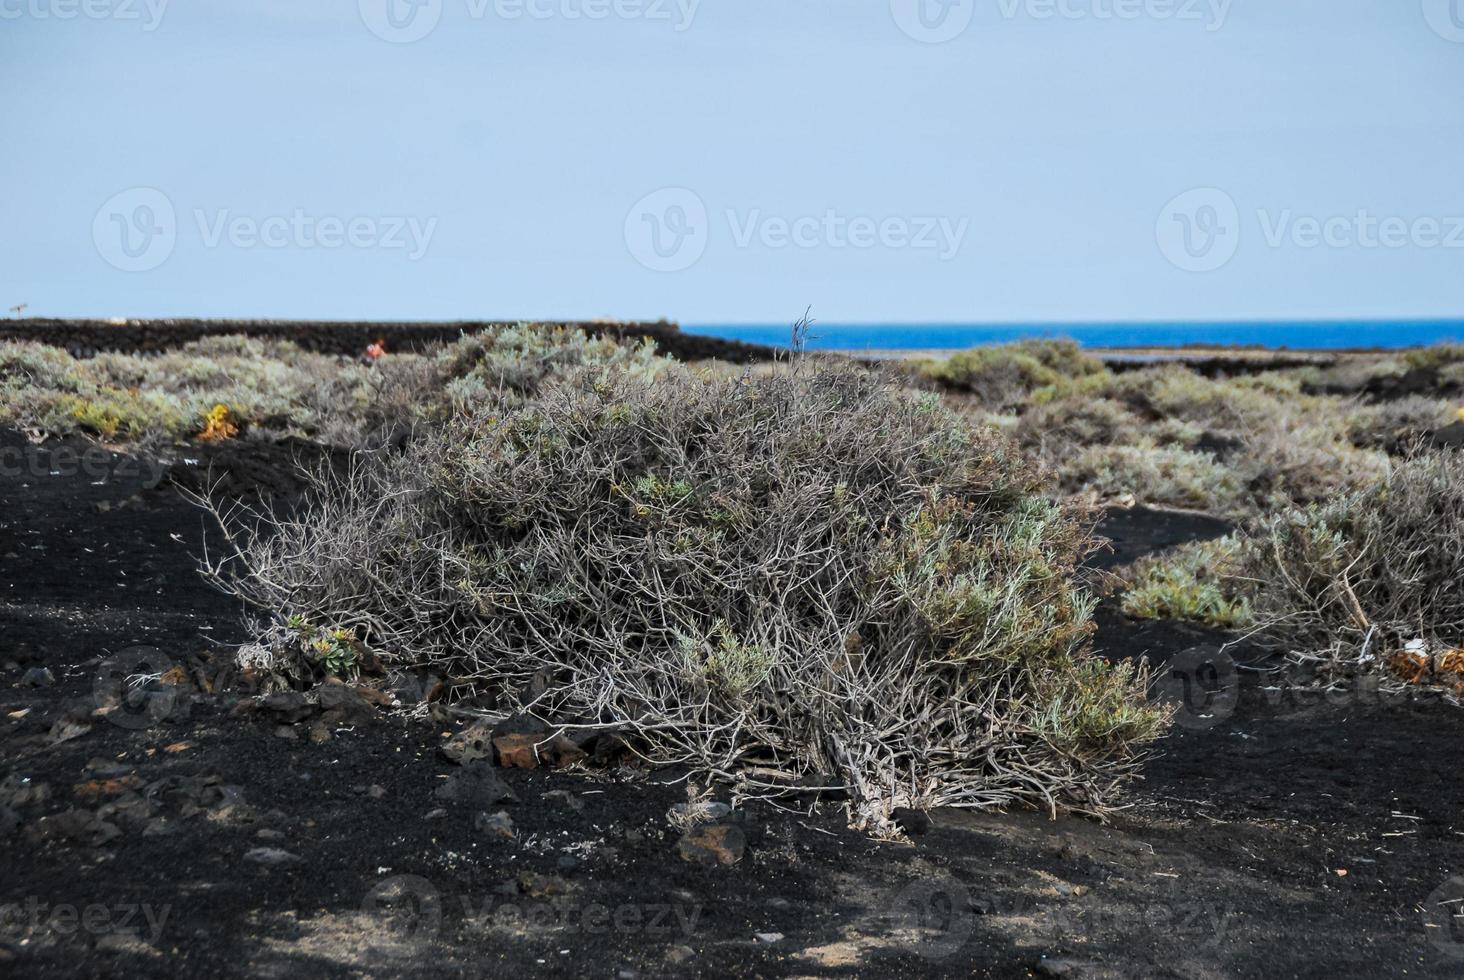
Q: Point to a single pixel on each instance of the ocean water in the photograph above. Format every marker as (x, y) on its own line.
(1276, 334)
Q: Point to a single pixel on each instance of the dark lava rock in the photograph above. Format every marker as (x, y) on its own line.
(522, 751)
(38, 677)
(713, 845)
(496, 825)
(476, 785)
(564, 799)
(468, 745)
(271, 857)
(542, 886)
(344, 703)
(288, 706)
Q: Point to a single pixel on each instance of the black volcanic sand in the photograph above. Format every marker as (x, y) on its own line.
(1281, 835)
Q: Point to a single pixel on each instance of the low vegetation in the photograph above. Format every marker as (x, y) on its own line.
(231, 386)
(1196, 582)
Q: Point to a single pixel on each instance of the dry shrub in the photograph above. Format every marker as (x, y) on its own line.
(1357, 581)
(801, 578)
(1397, 427)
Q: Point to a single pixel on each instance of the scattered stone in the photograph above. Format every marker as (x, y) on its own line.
(542, 886)
(497, 825)
(677, 955)
(564, 798)
(319, 733)
(18, 791)
(286, 731)
(376, 792)
(288, 706)
(106, 787)
(74, 825)
(769, 938)
(177, 676)
(436, 814)
(606, 748)
(124, 942)
(468, 745)
(374, 696)
(340, 701)
(916, 823)
(66, 729)
(273, 836)
(709, 812)
(476, 785)
(271, 857)
(715, 844)
(38, 677)
(1067, 969)
(106, 768)
(526, 751)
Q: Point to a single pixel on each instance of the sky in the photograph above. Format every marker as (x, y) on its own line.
(733, 161)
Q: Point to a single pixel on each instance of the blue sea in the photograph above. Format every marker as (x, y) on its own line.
(1274, 334)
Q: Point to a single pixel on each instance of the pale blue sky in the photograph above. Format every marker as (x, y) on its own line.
(514, 151)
